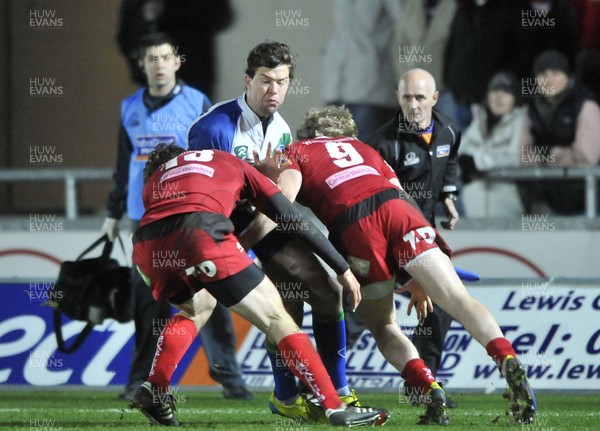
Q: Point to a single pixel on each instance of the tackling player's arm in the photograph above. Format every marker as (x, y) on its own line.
(258, 228)
(418, 299)
(289, 182)
(271, 166)
(278, 205)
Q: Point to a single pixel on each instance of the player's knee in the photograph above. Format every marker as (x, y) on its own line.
(383, 329)
(280, 325)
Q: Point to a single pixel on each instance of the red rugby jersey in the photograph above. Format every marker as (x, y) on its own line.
(337, 173)
(209, 181)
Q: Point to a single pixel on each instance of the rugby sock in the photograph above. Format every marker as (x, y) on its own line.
(418, 375)
(175, 338)
(330, 336)
(498, 349)
(301, 357)
(286, 390)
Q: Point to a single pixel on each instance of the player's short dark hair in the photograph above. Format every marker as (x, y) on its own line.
(270, 54)
(154, 39)
(332, 121)
(161, 154)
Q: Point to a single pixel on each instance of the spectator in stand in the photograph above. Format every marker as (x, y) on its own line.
(486, 36)
(492, 141)
(360, 58)
(422, 38)
(561, 129)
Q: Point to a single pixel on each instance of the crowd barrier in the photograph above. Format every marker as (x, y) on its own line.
(73, 176)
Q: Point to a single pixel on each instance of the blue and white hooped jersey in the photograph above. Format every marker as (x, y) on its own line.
(166, 125)
(233, 127)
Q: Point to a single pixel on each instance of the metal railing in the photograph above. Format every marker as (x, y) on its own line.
(589, 175)
(70, 176)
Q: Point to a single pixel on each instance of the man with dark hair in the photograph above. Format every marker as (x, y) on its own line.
(160, 112)
(191, 222)
(246, 124)
(249, 127)
(356, 194)
(270, 55)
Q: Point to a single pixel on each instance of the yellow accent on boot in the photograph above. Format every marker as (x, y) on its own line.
(435, 402)
(503, 365)
(301, 409)
(351, 400)
(434, 385)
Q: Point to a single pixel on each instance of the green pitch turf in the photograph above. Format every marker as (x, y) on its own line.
(41, 410)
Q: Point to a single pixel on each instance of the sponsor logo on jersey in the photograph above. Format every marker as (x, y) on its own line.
(349, 174)
(241, 151)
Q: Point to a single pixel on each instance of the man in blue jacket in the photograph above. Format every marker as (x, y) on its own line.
(159, 113)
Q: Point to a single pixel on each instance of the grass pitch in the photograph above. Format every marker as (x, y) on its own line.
(84, 409)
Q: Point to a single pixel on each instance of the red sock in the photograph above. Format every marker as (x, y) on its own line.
(175, 338)
(303, 360)
(499, 348)
(418, 375)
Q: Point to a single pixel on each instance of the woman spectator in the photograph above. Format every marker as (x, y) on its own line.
(492, 141)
